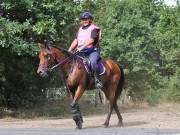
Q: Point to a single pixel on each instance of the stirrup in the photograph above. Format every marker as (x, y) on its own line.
(98, 84)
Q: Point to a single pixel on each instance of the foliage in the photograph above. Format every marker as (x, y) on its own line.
(23, 23)
(142, 35)
(173, 88)
(19, 84)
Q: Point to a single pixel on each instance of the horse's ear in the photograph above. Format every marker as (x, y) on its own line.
(42, 45)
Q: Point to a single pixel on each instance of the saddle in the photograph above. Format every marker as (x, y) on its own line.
(87, 65)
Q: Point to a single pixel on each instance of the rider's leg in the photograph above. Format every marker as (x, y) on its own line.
(94, 57)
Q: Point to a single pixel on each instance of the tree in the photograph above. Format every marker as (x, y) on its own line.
(23, 23)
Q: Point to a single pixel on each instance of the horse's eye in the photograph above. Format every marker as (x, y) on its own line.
(47, 57)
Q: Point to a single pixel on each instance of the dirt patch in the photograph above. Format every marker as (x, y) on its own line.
(163, 116)
(136, 119)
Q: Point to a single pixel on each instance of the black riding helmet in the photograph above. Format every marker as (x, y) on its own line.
(86, 15)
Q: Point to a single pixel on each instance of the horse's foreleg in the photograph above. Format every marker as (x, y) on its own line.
(77, 117)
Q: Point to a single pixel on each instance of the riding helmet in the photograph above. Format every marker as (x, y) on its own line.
(87, 15)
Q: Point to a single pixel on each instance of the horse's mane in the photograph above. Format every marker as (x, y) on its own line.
(75, 56)
(65, 51)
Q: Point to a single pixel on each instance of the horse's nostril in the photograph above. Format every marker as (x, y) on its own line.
(40, 72)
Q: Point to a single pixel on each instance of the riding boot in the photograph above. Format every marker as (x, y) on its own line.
(98, 82)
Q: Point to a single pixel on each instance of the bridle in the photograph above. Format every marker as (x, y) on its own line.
(60, 63)
(65, 60)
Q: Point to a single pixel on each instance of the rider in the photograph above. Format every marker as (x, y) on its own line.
(87, 41)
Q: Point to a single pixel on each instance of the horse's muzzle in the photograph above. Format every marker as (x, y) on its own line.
(42, 72)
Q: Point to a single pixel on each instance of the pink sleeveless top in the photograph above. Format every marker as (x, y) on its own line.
(85, 34)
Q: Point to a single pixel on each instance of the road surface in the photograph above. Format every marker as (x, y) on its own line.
(89, 131)
(135, 123)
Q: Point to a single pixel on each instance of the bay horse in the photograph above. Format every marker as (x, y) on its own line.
(77, 80)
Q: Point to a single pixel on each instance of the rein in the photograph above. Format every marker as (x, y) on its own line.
(62, 62)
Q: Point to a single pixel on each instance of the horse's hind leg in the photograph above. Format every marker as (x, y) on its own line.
(106, 123)
(110, 95)
(120, 123)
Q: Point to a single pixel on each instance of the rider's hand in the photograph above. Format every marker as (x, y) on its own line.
(70, 49)
(79, 49)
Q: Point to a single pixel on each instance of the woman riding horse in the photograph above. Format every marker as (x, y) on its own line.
(87, 41)
(78, 80)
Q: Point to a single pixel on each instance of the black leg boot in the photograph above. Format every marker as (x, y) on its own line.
(77, 117)
(98, 83)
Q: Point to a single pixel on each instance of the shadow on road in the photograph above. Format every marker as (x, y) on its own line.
(134, 123)
(126, 124)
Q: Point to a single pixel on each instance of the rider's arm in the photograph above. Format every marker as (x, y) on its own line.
(94, 34)
(73, 45)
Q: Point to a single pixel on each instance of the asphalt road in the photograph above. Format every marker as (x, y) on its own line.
(91, 131)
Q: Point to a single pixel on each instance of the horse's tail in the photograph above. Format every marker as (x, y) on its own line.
(120, 84)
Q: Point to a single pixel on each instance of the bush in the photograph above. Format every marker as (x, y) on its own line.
(173, 88)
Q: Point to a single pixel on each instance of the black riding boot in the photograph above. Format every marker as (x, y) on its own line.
(98, 83)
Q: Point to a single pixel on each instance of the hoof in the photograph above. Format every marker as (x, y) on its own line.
(106, 124)
(120, 124)
(79, 125)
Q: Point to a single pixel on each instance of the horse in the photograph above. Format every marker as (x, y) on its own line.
(77, 79)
